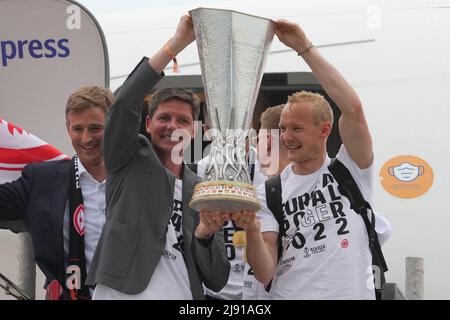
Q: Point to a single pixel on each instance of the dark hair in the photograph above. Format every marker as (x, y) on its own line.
(185, 95)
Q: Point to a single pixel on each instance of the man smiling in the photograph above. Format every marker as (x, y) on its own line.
(63, 202)
(324, 251)
(154, 246)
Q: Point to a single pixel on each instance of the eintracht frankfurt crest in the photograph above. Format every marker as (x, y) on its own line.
(78, 220)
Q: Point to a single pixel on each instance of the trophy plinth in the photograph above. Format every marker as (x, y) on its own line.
(232, 48)
(223, 195)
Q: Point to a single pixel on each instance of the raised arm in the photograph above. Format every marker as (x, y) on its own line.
(183, 36)
(124, 117)
(353, 127)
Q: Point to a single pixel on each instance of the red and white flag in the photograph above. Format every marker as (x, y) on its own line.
(18, 147)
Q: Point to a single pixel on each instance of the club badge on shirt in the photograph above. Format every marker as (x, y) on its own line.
(78, 220)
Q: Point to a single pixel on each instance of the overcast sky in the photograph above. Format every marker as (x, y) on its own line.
(99, 6)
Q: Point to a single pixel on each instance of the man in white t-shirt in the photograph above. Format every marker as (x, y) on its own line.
(273, 159)
(234, 236)
(234, 239)
(325, 249)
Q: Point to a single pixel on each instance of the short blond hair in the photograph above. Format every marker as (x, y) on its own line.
(87, 97)
(270, 118)
(321, 108)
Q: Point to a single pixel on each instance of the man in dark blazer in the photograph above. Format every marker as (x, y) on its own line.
(41, 196)
(137, 256)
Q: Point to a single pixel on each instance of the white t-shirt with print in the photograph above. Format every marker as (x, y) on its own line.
(325, 251)
(170, 279)
(234, 289)
(253, 289)
(235, 254)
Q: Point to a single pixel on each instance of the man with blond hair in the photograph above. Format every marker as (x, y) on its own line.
(62, 202)
(325, 250)
(273, 159)
(271, 154)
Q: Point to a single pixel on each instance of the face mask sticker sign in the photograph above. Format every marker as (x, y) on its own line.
(406, 177)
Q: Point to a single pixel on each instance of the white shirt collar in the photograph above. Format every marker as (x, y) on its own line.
(84, 173)
(81, 168)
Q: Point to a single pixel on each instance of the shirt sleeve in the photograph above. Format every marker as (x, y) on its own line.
(264, 215)
(383, 228)
(363, 177)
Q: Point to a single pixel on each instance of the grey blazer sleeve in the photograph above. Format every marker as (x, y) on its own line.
(123, 118)
(212, 262)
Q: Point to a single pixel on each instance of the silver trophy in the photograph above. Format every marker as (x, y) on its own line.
(232, 48)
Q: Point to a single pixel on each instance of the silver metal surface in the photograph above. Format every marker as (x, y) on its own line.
(232, 48)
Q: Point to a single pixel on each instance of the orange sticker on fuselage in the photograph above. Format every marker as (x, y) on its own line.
(406, 177)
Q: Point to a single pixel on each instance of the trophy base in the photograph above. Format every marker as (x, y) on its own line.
(226, 196)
